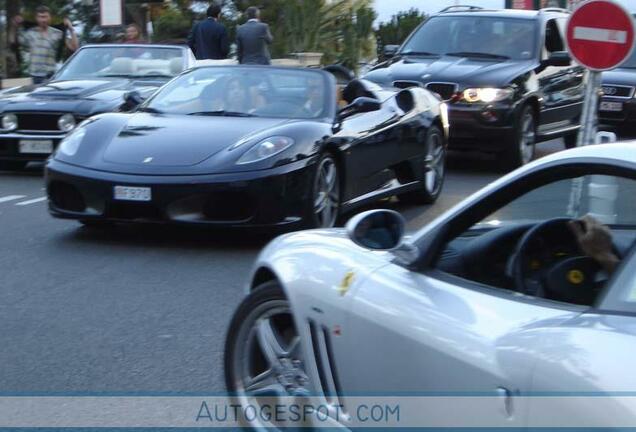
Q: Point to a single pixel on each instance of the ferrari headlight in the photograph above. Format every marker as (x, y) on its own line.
(66, 123)
(9, 122)
(70, 145)
(265, 149)
(486, 95)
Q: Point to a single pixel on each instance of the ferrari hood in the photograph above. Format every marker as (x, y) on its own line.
(450, 69)
(152, 140)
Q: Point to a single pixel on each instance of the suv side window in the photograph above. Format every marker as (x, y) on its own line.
(553, 39)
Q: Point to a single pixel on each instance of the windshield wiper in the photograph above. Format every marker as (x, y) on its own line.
(153, 76)
(150, 110)
(477, 54)
(117, 75)
(222, 113)
(420, 53)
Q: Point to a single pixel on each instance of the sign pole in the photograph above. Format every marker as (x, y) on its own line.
(589, 116)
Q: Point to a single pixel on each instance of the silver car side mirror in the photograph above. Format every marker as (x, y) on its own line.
(377, 229)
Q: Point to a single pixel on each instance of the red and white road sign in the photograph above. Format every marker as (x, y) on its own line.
(600, 34)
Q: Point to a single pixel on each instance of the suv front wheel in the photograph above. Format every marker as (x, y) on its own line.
(520, 150)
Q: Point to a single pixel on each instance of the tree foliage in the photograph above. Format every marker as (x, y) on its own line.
(341, 29)
(399, 27)
(173, 24)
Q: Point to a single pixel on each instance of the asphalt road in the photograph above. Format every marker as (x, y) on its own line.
(133, 309)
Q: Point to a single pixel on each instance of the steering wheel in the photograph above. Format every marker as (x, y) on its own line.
(566, 278)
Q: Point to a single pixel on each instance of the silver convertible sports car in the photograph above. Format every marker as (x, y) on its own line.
(495, 297)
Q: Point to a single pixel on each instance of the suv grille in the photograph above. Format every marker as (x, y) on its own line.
(445, 90)
(406, 84)
(612, 90)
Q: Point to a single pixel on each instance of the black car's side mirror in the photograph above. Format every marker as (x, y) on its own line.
(377, 229)
(558, 59)
(390, 51)
(359, 105)
(132, 100)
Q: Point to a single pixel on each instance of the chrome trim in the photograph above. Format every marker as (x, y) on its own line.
(37, 132)
(631, 91)
(559, 131)
(33, 137)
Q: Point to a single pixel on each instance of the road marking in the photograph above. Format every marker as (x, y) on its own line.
(33, 201)
(600, 35)
(11, 198)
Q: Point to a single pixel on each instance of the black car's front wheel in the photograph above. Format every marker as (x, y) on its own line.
(435, 170)
(263, 352)
(325, 197)
(521, 150)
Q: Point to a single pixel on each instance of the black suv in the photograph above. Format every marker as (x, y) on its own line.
(505, 74)
(618, 105)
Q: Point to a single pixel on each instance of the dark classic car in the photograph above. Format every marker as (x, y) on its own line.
(251, 146)
(618, 105)
(96, 79)
(505, 74)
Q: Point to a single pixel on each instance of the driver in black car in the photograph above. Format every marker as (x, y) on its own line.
(595, 240)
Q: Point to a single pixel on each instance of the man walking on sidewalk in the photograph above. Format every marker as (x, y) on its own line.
(252, 39)
(208, 39)
(42, 43)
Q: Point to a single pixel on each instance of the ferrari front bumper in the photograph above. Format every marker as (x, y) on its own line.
(274, 197)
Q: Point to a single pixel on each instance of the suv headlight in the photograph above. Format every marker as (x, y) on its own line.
(265, 149)
(487, 95)
(9, 122)
(66, 123)
(70, 145)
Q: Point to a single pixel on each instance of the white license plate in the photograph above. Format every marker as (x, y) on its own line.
(36, 146)
(129, 193)
(612, 106)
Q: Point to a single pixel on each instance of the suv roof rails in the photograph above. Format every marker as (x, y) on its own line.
(461, 7)
(554, 10)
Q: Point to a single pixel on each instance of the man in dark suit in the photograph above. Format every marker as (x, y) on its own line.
(208, 39)
(252, 39)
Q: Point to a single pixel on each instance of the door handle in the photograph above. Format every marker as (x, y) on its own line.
(506, 400)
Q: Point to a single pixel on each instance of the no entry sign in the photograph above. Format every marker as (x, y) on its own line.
(600, 34)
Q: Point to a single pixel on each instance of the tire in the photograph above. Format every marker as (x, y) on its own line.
(570, 140)
(12, 165)
(433, 181)
(264, 316)
(521, 150)
(324, 203)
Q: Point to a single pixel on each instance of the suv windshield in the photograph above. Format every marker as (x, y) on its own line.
(475, 36)
(123, 61)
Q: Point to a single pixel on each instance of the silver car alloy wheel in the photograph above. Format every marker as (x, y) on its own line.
(269, 359)
(527, 139)
(436, 160)
(326, 193)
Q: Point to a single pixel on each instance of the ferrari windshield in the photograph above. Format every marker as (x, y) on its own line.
(474, 36)
(247, 92)
(123, 61)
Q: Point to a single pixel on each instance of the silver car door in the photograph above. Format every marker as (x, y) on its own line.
(436, 334)
(590, 358)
